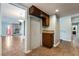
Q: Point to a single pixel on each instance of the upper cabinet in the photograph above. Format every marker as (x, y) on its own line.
(39, 13)
(34, 11)
(45, 20)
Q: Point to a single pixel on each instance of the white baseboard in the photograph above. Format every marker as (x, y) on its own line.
(55, 45)
(65, 40)
(28, 51)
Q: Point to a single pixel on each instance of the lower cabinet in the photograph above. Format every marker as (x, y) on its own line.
(48, 39)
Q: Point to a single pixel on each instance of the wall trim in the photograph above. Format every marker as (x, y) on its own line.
(55, 45)
(65, 40)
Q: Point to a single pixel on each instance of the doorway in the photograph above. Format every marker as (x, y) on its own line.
(75, 31)
(13, 30)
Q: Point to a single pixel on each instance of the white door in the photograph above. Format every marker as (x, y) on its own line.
(35, 33)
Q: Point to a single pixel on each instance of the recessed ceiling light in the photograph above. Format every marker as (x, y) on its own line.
(56, 10)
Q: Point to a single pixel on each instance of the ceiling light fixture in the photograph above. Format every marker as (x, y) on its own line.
(56, 10)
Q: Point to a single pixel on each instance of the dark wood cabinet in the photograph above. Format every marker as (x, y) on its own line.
(39, 13)
(35, 11)
(45, 21)
(48, 39)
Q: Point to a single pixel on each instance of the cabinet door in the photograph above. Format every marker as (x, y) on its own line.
(34, 11)
(45, 21)
(52, 38)
(47, 40)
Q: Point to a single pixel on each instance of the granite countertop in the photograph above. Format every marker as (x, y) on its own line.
(48, 31)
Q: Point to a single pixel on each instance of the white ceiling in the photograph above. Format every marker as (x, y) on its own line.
(65, 9)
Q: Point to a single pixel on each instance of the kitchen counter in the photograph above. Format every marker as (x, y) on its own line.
(48, 31)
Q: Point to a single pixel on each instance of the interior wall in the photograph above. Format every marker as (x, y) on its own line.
(57, 31)
(54, 25)
(65, 28)
(51, 24)
(0, 33)
(0, 19)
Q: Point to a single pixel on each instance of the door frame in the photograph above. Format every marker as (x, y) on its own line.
(25, 25)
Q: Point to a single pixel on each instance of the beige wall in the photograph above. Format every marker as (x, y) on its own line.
(51, 24)
(57, 32)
